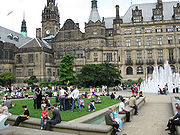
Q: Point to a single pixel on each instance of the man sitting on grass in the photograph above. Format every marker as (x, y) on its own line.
(22, 118)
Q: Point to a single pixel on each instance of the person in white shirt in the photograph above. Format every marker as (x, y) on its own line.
(123, 110)
(62, 94)
(75, 97)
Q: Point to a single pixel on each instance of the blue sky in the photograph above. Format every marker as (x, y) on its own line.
(78, 10)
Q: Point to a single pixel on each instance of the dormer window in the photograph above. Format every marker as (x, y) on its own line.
(16, 38)
(10, 36)
(158, 13)
(137, 15)
(176, 15)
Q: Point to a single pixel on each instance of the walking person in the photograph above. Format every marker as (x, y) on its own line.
(54, 120)
(22, 118)
(75, 97)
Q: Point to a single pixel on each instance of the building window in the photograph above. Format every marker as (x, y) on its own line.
(79, 52)
(11, 55)
(137, 19)
(1, 53)
(95, 59)
(159, 39)
(46, 58)
(118, 43)
(169, 28)
(128, 55)
(36, 57)
(139, 70)
(60, 53)
(148, 41)
(118, 31)
(70, 51)
(95, 54)
(30, 72)
(88, 56)
(177, 16)
(110, 44)
(18, 72)
(6, 54)
(160, 55)
(129, 71)
(148, 30)
(128, 42)
(50, 59)
(150, 69)
(127, 31)
(137, 30)
(109, 57)
(138, 41)
(149, 53)
(95, 31)
(158, 29)
(170, 40)
(110, 33)
(157, 17)
(30, 58)
(139, 55)
(178, 28)
(49, 72)
(18, 59)
(171, 55)
(179, 39)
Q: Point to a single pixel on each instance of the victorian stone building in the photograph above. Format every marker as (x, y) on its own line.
(147, 35)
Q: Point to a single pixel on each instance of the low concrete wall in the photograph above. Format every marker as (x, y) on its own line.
(173, 101)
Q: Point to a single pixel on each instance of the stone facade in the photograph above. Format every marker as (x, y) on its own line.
(146, 36)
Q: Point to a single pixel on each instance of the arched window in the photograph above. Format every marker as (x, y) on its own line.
(150, 69)
(79, 52)
(129, 71)
(139, 70)
(172, 68)
(69, 51)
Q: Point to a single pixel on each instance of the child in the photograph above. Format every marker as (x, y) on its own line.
(43, 105)
(91, 106)
(81, 102)
(98, 100)
(44, 116)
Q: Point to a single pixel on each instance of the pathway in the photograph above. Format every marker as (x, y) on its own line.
(152, 118)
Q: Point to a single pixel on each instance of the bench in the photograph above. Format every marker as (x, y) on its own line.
(3, 119)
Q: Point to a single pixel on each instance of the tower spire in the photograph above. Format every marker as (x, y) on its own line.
(94, 15)
(23, 27)
(94, 4)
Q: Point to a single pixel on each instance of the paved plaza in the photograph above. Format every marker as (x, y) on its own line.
(152, 118)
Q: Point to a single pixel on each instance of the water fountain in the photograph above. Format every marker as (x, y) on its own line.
(161, 76)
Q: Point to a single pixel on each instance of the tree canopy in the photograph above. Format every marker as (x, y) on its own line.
(6, 78)
(66, 73)
(100, 74)
(31, 80)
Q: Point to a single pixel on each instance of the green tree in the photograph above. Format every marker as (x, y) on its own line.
(66, 73)
(31, 81)
(6, 78)
(100, 74)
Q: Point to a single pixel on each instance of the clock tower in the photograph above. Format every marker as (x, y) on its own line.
(50, 19)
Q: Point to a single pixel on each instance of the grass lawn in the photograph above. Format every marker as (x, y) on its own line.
(65, 115)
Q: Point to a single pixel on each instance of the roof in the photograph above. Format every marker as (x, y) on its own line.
(7, 35)
(147, 12)
(36, 43)
(94, 15)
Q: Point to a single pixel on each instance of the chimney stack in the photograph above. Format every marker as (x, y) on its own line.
(117, 12)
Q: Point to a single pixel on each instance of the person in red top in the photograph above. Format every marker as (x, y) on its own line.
(44, 116)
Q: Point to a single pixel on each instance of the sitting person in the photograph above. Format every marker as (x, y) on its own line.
(4, 109)
(115, 117)
(142, 96)
(123, 110)
(47, 101)
(111, 121)
(132, 104)
(26, 95)
(13, 94)
(112, 96)
(54, 120)
(98, 101)
(44, 116)
(174, 121)
(43, 104)
(22, 118)
(91, 106)
(81, 102)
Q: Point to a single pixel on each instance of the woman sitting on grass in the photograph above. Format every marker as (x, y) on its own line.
(98, 100)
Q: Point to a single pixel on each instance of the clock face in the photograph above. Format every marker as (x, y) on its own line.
(48, 32)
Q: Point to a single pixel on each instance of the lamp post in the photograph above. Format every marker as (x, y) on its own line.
(144, 55)
(107, 73)
(177, 68)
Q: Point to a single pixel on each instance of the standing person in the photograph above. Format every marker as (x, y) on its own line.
(174, 121)
(22, 118)
(132, 104)
(44, 116)
(110, 121)
(35, 99)
(62, 94)
(122, 110)
(75, 97)
(39, 98)
(55, 119)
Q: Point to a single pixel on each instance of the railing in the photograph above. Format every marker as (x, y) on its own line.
(139, 62)
(129, 62)
(150, 62)
(171, 61)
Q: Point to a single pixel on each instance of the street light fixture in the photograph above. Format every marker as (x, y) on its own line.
(107, 73)
(144, 55)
